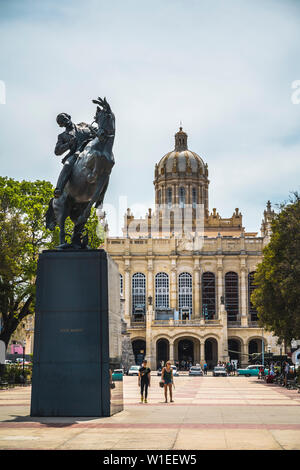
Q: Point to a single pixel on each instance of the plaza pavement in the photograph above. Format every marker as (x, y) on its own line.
(208, 413)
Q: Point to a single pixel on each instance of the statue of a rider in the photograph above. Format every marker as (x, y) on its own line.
(74, 139)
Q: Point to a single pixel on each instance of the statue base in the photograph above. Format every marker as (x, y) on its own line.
(77, 339)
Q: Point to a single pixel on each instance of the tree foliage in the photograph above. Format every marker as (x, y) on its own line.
(277, 279)
(23, 236)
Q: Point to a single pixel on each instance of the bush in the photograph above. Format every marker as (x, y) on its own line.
(13, 373)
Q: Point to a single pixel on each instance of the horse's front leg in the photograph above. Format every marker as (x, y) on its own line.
(62, 232)
(62, 213)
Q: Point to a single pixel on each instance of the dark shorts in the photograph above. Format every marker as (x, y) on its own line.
(167, 381)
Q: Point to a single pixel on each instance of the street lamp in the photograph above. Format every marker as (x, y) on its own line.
(263, 347)
(24, 344)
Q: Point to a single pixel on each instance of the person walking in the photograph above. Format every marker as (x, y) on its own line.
(144, 380)
(205, 368)
(167, 379)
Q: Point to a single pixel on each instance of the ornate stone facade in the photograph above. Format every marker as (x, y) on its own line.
(187, 296)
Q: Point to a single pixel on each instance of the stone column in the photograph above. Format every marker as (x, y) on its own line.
(149, 346)
(196, 289)
(173, 284)
(244, 351)
(127, 292)
(243, 293)
(171, 352)
(150, 310)
(188, 189)
(220, 289)
(202, 352)
(223, 349)
(150, 282)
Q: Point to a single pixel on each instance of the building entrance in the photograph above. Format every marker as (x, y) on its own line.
(162, 352)
(139, 350)
(185, 353)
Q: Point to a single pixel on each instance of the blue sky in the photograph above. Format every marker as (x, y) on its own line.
(223, 68)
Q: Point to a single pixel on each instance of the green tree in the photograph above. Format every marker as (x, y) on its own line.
(22, 237)
(277, 279)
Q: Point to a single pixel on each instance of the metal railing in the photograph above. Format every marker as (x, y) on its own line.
(253, 324)
(191, 322)
(137, 324)
(233, 323)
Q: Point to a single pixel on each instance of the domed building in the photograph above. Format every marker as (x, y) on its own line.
(186, 274)
(181, 176)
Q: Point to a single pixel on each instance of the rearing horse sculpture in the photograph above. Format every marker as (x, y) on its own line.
(88, 181)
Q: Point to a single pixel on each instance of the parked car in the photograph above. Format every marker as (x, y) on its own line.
(117, 374)
(196, 371)
(134, 370)
(8, 361)
(252, 370)
(219, 372)
(175, 371)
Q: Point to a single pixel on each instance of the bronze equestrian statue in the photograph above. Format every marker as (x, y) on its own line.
(74, 139)
(84, 178)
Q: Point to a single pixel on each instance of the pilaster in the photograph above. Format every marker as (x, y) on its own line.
(173, 284)
(220, 284)
(127, 296)
(243, 292)
(196, 289)
(171, 352)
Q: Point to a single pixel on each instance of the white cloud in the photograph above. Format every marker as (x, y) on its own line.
(224, 68)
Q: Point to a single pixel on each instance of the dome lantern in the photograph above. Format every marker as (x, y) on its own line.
(180, 140)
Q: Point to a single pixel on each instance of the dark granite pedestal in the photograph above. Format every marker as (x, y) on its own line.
(77, 338)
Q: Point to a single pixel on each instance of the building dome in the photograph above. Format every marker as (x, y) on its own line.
(181, 159)
(181, 176)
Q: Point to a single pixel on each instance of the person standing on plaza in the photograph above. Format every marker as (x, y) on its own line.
(144, 380)
(286, 372)
(205, 368)
(167, 379)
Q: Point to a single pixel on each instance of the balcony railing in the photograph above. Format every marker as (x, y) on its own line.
(191, 322)
(138, 324)
(233, 323)
(253, 324)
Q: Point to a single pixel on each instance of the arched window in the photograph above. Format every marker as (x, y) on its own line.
(169, 197)
(159, 197)
(194, 198)
(121, 284)
(181, 197)
(232, 295)
(185, 294)
(251, 288)
(208, 295)
(138, 295)
(161, 290)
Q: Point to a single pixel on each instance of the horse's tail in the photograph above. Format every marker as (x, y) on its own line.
(50, 217)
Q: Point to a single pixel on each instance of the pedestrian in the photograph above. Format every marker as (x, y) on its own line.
(144, 380)
(205, 368)
(167, 379)
(286, 372)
